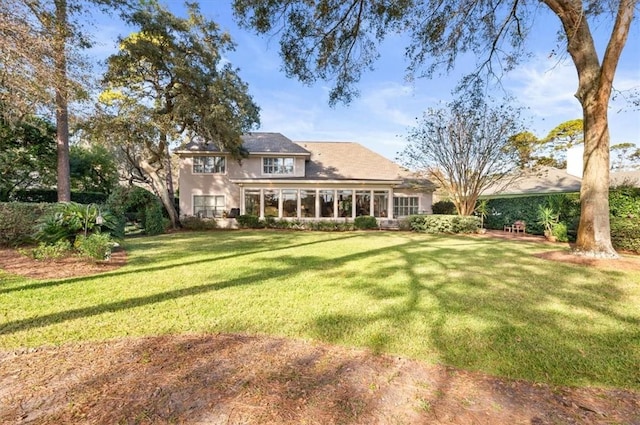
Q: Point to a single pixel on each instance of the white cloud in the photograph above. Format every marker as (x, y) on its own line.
(547, 88)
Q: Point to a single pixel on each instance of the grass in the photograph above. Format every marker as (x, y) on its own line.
(474, 303)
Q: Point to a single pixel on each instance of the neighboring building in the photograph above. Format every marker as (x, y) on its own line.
(549, 180)
(538, 181)
(303, 180)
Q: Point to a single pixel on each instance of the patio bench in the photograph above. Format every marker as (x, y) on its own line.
(517, 227)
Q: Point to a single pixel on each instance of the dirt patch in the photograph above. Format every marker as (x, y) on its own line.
(238, 379)
(14, 262)
(631, 263)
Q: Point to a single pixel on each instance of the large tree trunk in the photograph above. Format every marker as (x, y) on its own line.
(594, 230)
(160, 185)
(595, 82)
(62, 108)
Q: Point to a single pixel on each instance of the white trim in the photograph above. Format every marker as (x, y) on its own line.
(195, 173)
(317, 182)
(293, 169)
(193, 201)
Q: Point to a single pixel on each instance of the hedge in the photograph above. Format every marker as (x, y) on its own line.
(444, 223)
(624, 207)
(18, 220)
(625, 234)
(51, 196)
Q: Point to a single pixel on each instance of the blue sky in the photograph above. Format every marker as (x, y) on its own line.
(388, 105)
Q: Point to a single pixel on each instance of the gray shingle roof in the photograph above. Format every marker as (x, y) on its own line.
(347, 160)
(257, 142)
(544, 180)
(625, 178)
(548, 180)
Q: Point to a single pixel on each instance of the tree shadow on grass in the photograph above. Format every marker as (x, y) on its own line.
(216, 252)
(535, 321)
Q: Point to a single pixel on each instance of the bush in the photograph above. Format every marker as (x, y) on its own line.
(444, 223)
(130, 204)
(51, 196)
(404, 224)
(248, 221)
(196, 223)
(68, 219)
(625, 234)
(559, 230)
(18, 221)
(51, 252)
(444, 207)
(365, 222)
(506, 211)
(153, 221)
(624, 201)
(96, 246)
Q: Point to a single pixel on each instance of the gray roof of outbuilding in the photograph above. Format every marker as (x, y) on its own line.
(543, 180)
(258, 142)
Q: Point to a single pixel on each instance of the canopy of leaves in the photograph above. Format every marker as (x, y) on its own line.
(337, 39)
(93, 169)
(172, 79)
(27, 155)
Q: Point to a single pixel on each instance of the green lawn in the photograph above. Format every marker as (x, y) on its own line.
(474, 303)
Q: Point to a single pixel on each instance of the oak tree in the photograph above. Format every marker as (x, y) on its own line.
(168, 84)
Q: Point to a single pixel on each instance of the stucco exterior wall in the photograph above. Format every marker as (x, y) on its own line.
(198, 184)
(195, 184)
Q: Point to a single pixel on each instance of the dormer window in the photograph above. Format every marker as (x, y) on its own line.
(209, 165)
(272, 165)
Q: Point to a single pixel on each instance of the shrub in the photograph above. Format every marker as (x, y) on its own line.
(365, 222)
(153, 221)
(624, 201)
(404, 224)
(18, 221)
(68, 219)
(444, 223)
(625, 234)
(248, 221)
(96, 246)
(559, 230)
(506, 211)
(51, 196)
(444, 207)
(51, 251)
(197, 223)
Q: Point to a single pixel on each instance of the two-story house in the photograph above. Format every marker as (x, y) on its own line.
(302, 180)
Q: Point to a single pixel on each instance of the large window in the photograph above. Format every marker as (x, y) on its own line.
(208, 206)
(404, 206)
(326, 203)
(380, 203)
(277, 165)
(209, 164)
(363, 202)
(345, 203)
(308, 203)
(271, 207)
(289, 203)
(252, 202)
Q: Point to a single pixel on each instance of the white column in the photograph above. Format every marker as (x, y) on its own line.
(390, 209)
(371, 192)
(262, 204)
